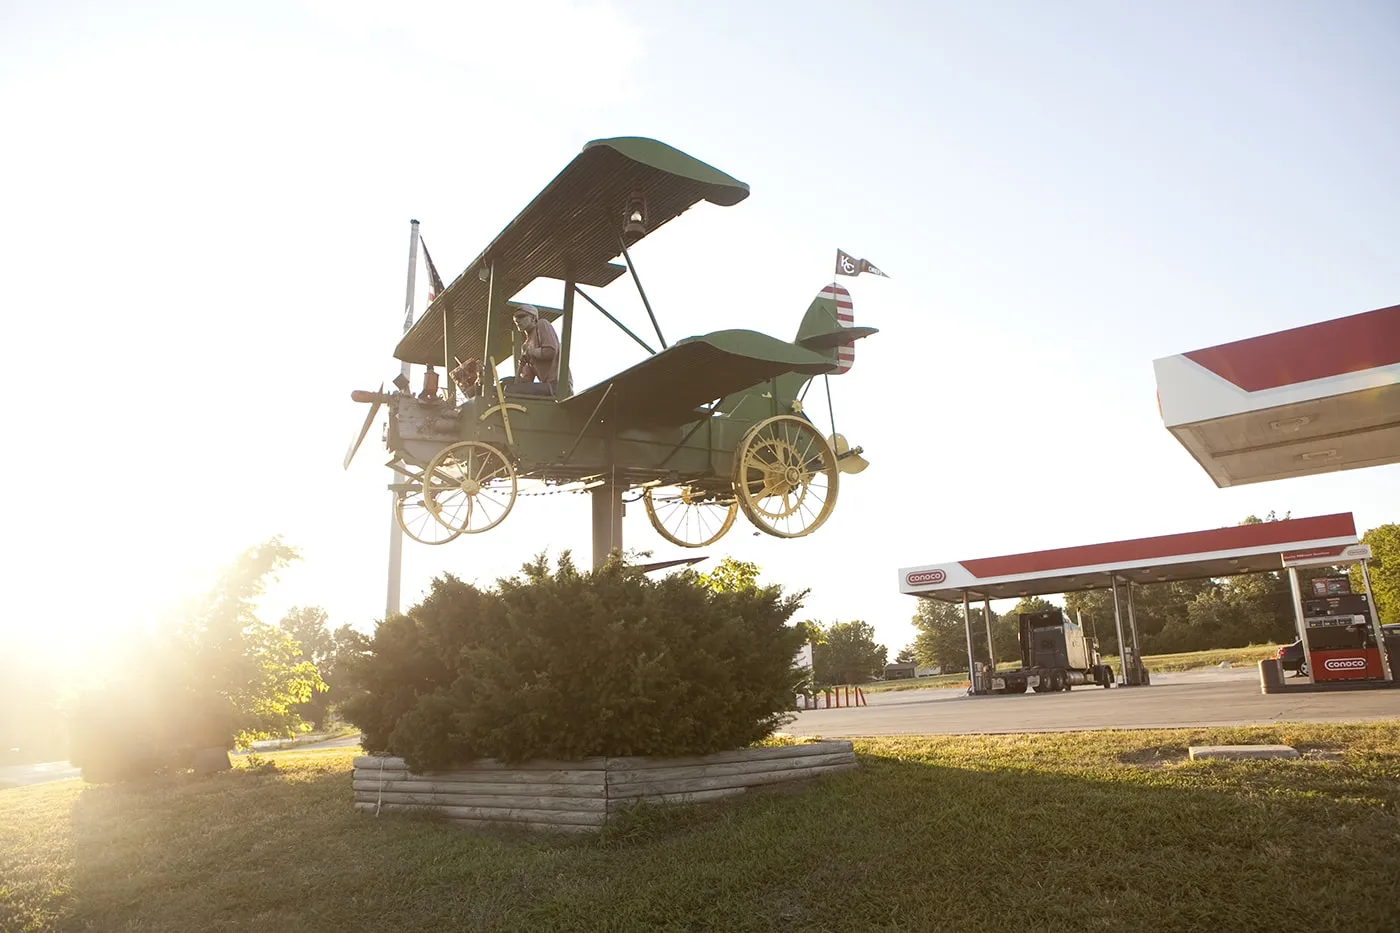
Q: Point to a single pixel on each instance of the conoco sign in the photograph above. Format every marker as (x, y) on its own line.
(925, 578)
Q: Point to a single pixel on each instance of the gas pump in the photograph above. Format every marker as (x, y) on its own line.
(1340, 638)
(1341, 635)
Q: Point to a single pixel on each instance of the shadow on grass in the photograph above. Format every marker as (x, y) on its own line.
(904, 844)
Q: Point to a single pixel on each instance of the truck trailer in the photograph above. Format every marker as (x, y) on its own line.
(1055, 656)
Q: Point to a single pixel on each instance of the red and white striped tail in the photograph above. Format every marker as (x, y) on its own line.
(845, 316)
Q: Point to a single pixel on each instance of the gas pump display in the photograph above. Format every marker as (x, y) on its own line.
(1341, 642)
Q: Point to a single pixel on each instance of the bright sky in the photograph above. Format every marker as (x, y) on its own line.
(204, 227)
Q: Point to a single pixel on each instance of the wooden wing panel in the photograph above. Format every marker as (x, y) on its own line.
(572, 226)
(667, 388)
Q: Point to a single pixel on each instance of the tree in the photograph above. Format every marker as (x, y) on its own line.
(216, 676)
(246, 676)
(941, 641)
(1384, 570)
(308, 626)
(906, 655)
(316, 645)
(730, 575)
(847, 654)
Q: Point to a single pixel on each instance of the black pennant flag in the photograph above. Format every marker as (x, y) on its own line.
(846, 264)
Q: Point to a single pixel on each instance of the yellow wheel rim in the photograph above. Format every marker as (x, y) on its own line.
(417, 520)
(470, 487)
(786, 477)
(688, 516)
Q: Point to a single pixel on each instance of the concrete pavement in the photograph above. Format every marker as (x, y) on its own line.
(1194, 698)
(41, 773)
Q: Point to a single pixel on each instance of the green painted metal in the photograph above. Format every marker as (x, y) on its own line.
(677, 417)
(571, 226)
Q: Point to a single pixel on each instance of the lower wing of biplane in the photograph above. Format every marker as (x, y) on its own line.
(671, 387)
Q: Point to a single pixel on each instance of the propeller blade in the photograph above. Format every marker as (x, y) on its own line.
(848, 459)
(364, 429)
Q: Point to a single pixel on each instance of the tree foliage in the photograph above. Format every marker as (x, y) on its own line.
(1384, 569)
(846, 653)
(323, 648)
(563, 664)
(940, 640)
(730, 576)
(216, 676)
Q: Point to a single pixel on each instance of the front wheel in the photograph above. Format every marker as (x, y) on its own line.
(470, 487)
(786, 477)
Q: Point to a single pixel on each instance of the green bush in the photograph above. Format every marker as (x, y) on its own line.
(566, 665)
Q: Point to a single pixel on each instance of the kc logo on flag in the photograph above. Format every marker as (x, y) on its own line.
(846, 264)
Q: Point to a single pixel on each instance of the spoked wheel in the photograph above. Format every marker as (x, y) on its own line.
(470, 487)
(785, 475)
(416, 519)
(689, 516)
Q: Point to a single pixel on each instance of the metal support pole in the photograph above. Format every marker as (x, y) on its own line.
(991, 646)
(391, 601)
(1118, 623)
(971, 657)
(1297, 588)
(1375, 622)
(1140, 675)
(566, 341)
(607, 521)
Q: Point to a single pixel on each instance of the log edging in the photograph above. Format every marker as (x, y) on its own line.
(582, 796)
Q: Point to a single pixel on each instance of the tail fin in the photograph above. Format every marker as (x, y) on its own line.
(829, 327)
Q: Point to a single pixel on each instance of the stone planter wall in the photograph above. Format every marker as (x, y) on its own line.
(580, 796)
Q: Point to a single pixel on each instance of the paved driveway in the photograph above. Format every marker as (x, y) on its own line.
(1195, 698)
(20, 775)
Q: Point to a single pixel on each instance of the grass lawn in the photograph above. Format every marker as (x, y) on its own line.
(1082, 831)
(1185, 661)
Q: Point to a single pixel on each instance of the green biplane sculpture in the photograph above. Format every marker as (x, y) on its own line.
(704, 427)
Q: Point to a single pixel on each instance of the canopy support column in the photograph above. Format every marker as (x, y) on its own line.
(1376, 632)
(1122, 643)
(1140, 675)
(991, 645)
(1296, 586)
(971, 655)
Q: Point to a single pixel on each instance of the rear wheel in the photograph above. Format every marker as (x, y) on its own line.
(689, 516)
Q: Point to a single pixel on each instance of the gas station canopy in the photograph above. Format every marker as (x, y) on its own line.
(1218, 552)
(1313, 399)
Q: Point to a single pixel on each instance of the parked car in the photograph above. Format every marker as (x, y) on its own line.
(1290, 657)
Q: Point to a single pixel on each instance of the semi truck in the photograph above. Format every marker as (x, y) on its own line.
(1055, 656)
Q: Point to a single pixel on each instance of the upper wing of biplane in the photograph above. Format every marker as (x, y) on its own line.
(668, 388)
(571, 229)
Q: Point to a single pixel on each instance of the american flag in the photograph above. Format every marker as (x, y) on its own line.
(434, 282)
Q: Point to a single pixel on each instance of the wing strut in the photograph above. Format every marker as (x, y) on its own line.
(621, 326)
(632, 268)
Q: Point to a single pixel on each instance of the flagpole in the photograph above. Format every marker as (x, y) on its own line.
(391, 606)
